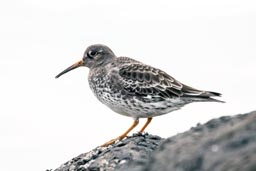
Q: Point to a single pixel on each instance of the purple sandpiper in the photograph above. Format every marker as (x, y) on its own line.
(132, 88)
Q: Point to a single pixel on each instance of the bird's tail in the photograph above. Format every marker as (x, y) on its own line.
(199, 95)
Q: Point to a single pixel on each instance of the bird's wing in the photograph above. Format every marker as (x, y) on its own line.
(144, 80)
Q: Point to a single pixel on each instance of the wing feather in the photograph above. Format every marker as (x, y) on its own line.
(145, 80)
(152, 84)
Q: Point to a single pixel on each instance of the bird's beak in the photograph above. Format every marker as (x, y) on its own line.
(74, 66)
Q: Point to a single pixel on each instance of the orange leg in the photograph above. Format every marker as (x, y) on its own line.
(135, 123)
(145, 126)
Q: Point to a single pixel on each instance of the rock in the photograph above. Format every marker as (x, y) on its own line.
(126, 154)
(223, 144)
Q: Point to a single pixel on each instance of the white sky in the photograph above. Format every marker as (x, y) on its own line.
(44, 122)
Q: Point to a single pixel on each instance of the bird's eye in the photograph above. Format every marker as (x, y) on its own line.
(92, 53)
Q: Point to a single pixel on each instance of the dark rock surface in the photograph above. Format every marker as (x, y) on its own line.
(125, 155)
(223, 144)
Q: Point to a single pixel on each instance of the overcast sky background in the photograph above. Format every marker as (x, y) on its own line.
(44, 122)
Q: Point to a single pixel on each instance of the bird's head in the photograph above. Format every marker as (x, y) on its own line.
(94, 56)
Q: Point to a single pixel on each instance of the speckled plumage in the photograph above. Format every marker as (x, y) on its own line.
(134, 89)
(137, 90)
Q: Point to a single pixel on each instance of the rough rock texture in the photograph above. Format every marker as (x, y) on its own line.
(125, 155)
(223, 144)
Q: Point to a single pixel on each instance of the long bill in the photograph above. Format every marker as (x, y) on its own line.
(74, 66)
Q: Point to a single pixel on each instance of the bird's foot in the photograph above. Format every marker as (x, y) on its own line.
(113, 141)
(135, 123)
